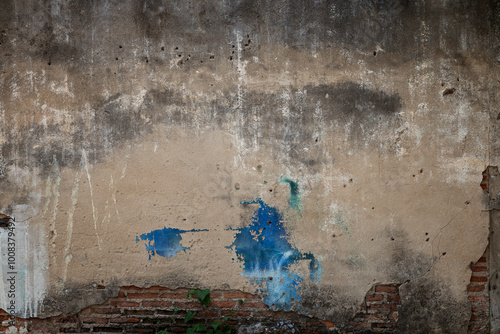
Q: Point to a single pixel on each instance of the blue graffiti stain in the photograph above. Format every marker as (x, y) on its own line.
(294, 200)
(267, 256)
(165, 242)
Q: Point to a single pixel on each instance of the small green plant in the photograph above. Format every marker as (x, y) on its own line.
(216, 327)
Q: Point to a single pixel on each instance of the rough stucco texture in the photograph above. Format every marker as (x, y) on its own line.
(302, 150)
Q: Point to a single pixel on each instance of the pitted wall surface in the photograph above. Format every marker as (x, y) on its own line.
(301, 150)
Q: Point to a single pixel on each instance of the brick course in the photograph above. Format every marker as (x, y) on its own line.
(148, 310)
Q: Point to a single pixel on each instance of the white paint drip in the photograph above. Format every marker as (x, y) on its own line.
(30, 268)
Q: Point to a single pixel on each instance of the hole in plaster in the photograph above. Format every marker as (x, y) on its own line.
(120, 46)
(449, 91)
(374, 53)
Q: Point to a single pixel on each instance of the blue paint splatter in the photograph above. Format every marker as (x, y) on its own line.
(164, 242)
(294, 200)
(267, 256)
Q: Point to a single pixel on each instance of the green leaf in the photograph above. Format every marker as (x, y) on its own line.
(176, 309)
(231, 312)
(215, 324)
(203, 296)
(224, 319)
(190, 293)
(190, 331)
(210, 332)
(189, 316)
(240, 301)
(200, 328)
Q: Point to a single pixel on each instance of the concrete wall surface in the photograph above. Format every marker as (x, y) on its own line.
(300, 150)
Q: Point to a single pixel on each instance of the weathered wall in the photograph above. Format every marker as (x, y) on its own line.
(302, 150)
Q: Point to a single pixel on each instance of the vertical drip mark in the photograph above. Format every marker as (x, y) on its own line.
(94, 211)
(69, 229)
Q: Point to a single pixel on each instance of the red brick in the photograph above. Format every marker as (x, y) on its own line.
(187, 305)
(224, 304)
(149, 295)
(482, 259)
(383, 307)
(478, 268)
(121, 294)
(374, 316)
(234, 295)
(386, 288)
(124, 320)
(374, 298)
(174, 295)
(103, 310)
(216, 295)
(394, 315)
(124, 304)
(475, 288)
(157, 303)
(479, 279)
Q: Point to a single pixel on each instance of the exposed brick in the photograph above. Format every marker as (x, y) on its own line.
(482, 259)
(148, 295)
(479, 279)
(386, 288)
(475, 288)
(234, 295)
(383, 307)
(374, 298)
(174, 295)
(479, 268)
(223, 304)
(157, 303)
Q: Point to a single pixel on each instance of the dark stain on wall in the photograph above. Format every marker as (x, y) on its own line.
(428, 306)
(113, 124)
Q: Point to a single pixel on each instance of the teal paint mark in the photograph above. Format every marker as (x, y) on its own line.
(267, 257)
(164, 242)
(294, 200)
(340, 222)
